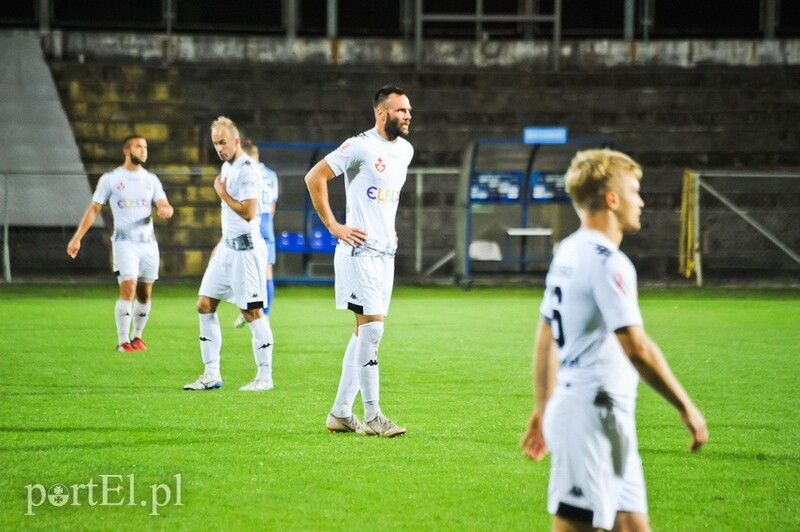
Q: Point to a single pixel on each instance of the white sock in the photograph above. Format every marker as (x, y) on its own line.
(369, 338)
(122, 315)
(262, 347)
(210, 343)
(141, 312)
(348, 382)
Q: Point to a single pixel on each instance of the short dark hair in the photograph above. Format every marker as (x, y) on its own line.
(384, 93)
(127, 142)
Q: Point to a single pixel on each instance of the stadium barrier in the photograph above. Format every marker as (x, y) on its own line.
(732, 220)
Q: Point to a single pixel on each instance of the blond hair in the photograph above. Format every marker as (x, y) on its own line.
(592, 172)
(224, 121)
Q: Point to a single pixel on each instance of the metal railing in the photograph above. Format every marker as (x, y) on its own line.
(637, 18)
(479, 18)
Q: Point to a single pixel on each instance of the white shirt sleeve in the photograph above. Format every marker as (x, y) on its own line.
(103, 190)
(249, 187)
(616, 294)
(343, 157)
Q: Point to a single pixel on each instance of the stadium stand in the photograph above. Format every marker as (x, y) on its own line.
(668, 118)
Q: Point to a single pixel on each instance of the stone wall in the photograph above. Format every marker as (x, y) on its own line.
(667, 116)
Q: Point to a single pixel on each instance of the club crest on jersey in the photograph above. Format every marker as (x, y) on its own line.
(620, 283)
(120, 186)
(380, 166)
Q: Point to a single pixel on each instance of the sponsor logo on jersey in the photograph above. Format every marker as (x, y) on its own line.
(383, 195)
(133, 203)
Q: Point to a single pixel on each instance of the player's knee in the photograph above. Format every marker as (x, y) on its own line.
(205, 305)
(253, 314)
(372, 330)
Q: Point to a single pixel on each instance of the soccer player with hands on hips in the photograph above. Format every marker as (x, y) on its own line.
(237, 269)
(132, 192)
(374, 165)
(590, 351)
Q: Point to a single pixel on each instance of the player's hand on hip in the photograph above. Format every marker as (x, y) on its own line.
(351, 235)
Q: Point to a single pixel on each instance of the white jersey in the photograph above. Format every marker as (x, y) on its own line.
(131, 196)
(270, 190)
(243, 182)
(374, 171)
(591, 292)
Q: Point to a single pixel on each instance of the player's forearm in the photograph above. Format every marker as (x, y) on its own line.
(86, 222)
(653, 368)
(318, 190)
(544, 364)
(247, 209)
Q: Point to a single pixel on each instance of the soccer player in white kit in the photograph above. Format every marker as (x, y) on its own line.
(131, 191)
(237, 269)
(374, 165)
(590, 350)
(269, 201)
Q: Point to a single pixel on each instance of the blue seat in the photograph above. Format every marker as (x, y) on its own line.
(291, 242)
(322, 241)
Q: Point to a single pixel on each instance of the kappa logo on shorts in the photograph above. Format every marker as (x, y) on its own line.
(576, 491)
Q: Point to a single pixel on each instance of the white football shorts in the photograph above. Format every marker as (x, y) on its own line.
(364, 283)
(237, 276)
(595, 467)
(135, 260)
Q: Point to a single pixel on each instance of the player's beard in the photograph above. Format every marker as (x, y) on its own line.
(135, 160)
(393, 129)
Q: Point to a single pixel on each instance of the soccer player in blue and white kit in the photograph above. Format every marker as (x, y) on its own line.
(374, 165)
(237, 269)
(132, 192)
(269, 202)
(590, 351)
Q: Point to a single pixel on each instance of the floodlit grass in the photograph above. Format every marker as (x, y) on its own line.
(455, 369)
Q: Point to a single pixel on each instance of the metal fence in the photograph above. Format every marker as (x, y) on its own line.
(740, 222)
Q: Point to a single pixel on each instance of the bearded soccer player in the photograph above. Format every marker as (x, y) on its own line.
(374, 165)
(131, 191)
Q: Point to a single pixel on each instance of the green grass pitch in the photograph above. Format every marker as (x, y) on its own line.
(455, 370)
